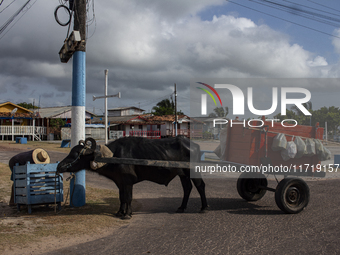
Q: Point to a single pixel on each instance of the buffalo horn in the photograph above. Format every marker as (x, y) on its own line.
(81, 142)
(92, 143)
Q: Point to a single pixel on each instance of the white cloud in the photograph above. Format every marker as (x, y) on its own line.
(336, 41)
(147, 47)
(318, 61)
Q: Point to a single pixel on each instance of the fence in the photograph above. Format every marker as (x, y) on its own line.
(194, 133)
(116, 134)
(36, 132)
(95, 133)
(147, 134)
(99, 133)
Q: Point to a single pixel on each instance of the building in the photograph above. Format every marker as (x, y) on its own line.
(44, 117)
(124, 111)
(17, 121)
(35, 124)
(151, 126)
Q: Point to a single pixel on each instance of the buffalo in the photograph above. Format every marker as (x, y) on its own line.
(180, 148)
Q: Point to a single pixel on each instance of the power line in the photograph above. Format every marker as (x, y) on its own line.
(324, 6)
(92, 20)
(300, 12)
(150, 101)
(7, 6)
(306, 6)
(310, 28)
(11, 19)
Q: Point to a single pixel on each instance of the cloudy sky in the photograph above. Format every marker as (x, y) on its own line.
(149, 45)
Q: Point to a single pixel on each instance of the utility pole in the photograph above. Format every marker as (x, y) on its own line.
(106, 82)
(175, 111)
(78, 99)
(105, 104)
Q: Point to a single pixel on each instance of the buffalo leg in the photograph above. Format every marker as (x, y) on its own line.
(121, 211)
(128, 212)
(187, 187)
(125, 197)
(200, 186)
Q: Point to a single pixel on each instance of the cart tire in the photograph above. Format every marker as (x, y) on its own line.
(292, 195)
(248, 186)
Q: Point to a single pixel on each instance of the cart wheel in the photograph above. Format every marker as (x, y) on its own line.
(248, 186)
(292, 195)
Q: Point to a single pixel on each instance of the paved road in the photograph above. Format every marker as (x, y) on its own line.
(232, 226)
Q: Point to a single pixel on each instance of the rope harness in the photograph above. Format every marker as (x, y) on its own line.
(55, 191)
(67, 166)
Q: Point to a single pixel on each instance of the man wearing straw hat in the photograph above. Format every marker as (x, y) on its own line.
(37, 156)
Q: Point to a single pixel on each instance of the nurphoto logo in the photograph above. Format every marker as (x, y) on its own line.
(238, 99)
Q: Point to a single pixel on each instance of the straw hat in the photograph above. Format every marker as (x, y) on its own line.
(40, 156)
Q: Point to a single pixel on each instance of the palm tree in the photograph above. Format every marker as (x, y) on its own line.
(165, 107)
(220, 112)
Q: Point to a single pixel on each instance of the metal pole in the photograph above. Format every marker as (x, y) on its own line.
(106, 82)
(77, 185)
(12, 128)
(105, 104)
(33, 132)
(175, 111)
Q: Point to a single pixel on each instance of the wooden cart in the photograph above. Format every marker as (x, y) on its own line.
(250, 146)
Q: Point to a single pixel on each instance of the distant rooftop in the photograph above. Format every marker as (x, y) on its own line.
(125, 108)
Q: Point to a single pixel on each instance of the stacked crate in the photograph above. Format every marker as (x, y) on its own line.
(37, 184)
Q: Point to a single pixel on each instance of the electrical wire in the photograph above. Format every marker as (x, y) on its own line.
(324, 6)
(92, 20)
(152, 101)
(68, 12)
(7, 6)
(148, 102)
(11, 19)
(306, 6)
(310, 28)
(299, 12)
(72, 15)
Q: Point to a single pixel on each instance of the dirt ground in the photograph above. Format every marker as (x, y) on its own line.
(22, 224)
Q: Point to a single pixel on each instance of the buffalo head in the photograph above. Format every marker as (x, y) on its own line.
(79, 158)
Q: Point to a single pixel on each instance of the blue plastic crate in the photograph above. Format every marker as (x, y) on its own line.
(37, 184)
(22, 140)
(65, 143)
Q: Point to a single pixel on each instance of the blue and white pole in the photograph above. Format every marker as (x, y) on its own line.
(77, 185)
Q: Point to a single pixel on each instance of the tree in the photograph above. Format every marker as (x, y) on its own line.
(220, 112)
(165, 107)
(331, 115)
(28, 105)
(57, 123)
(296, 114)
